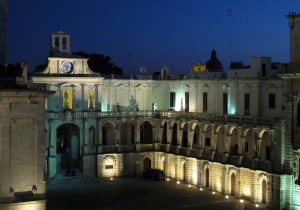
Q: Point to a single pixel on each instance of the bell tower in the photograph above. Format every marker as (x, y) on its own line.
(60, 43)
(294, 24)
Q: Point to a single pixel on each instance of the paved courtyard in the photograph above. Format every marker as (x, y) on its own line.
(134, 193)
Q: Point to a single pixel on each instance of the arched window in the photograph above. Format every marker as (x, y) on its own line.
(92, 137)
(184, 141)
(174, 135)
(146, 136)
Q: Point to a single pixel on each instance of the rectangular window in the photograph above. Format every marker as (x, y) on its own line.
(187, 101)
(204, 101)
(172, 99)
(64, 43)
(207, 142)
(225, 103)
(56, 43)
(109, 166)
(247, 104)
(272, 101)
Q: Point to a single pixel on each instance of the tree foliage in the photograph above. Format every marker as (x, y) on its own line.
(101, 64)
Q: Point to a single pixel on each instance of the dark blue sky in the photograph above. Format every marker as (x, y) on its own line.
(152, 33)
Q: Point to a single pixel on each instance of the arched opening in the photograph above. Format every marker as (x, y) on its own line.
(265, 148)
(207, 177)
(264, 191)
(164, 134)
(183, 171)
(184, 141)
(248, 152)
(174, 135)
(220, 146)
(146, 135)
(146, 164)
(207, 142)
(234, 147)
(127, 134)
(92, 136)
(195, 137)
(108, 134)
(67, 148)
(233, 184)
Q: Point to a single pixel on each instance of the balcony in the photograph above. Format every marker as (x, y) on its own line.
(173, 149)
(263, 165)
(184, 151)
(146, 147)
(161, 114)
(127, 148)
(233, 160)
(109, 149)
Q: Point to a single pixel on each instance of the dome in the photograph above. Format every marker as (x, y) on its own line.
(213, 64)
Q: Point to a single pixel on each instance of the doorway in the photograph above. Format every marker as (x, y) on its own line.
(233, 184)
(67, 148)
(147, 164)
(264, 191)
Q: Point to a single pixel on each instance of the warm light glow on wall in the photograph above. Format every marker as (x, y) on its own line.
(109, 168)
(219, 184)
(247, 191)
(194, 176)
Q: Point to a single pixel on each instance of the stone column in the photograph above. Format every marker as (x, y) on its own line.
(98, 97)
(137, 139)
(99, 137)
(51, 149)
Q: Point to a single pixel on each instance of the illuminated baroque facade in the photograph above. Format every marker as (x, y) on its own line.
(235, 133)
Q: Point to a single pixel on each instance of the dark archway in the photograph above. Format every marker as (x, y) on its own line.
(67, 147)
(146, 135)
(195, 137)
(183, 171)
(164, 134)
(108, 134)
(184, 141)
(207, 177)
(127, 134)
(146, 164)
(174, 135)
(264, 191)
(92, 137)
(233, 184)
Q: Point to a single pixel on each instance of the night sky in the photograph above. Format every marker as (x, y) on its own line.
(151, 33)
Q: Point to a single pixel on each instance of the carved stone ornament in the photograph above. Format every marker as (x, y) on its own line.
(67, 117)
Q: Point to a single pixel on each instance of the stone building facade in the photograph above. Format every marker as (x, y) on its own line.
(22, 134)
(236, 132)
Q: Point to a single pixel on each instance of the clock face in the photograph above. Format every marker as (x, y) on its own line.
(67, 66)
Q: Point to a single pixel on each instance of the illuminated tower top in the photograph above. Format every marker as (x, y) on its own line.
(60, 43)
(294, 24)
(3, 8)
